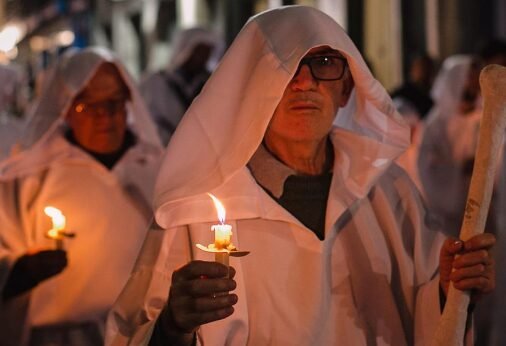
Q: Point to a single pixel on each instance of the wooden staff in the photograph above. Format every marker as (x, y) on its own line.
(451, 328)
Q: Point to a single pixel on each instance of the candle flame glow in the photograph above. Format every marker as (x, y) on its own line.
(219, 208)
(57, 217)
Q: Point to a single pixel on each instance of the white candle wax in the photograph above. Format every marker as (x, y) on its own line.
(222, 235)
(222, 239)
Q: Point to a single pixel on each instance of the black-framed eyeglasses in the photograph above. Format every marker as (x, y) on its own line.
(107, 107)
(324, 67)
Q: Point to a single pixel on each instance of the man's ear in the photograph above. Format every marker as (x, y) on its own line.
(348, 85)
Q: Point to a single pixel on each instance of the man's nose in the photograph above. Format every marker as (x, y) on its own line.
(304, 79)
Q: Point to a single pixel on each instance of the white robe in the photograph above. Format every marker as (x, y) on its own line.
(372, 280)
(448, 146)
(108, 211)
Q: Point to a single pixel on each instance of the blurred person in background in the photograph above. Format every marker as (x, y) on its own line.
(92, 152)
(414, 95)
(413, 101)
(168, 93)
(449, 141)
(446, 163)
(13, 101)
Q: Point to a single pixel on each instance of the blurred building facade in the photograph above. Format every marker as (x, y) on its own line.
(388, 32)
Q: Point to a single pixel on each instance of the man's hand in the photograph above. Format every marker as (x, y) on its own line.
(30, 269)
(199, 295)
(473, 268)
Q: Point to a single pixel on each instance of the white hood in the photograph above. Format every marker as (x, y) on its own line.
(227, 121)
(185, 42)
(46, 118)
(448, 86)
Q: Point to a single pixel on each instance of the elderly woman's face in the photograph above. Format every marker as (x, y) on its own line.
(308, 106)
(97, 117)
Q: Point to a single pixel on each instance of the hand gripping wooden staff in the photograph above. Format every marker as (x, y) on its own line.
(452, 325)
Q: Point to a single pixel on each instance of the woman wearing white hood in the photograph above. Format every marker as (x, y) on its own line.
(93, 153)
(339, 251)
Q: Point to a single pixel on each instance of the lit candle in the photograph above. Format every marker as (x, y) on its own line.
(222, 234)
(57, 231)
(222, 246)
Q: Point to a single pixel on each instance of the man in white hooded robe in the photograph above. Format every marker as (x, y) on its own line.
(360, 269)
(93, 153)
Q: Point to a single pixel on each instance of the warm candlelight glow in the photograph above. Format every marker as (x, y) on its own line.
(222, 232)
(57, 232)
(222, 247)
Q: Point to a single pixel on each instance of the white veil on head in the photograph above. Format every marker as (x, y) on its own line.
(227, 121)
(72, 74)
(185, 42)
(69, 78)
(448, 86)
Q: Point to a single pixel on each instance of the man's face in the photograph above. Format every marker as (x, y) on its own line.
(308, 106)
(97, 116)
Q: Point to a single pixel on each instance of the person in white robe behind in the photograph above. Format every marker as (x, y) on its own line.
(169, 92)
(93, 153)
(449, 142)
(339, 250)
(13, 101)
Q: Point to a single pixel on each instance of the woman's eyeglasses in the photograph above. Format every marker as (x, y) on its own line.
(107, 107)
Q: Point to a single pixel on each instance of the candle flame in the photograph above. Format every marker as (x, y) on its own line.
(57, 217)
(219, 208)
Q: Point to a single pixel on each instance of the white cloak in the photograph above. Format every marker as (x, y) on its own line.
(371, 281)
(374, 277)
(108, 210)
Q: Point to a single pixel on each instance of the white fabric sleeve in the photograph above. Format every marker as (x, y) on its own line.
(133, 316)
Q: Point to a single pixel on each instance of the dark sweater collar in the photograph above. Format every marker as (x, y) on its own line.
(271, 173)
(109, 159)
